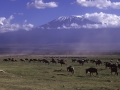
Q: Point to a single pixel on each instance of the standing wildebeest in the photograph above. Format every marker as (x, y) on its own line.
(114, 69)
(107, 64)
(70, 69)
(91, 70)
(53, 61)
(73, 60)
(62, 62)
(92, 61)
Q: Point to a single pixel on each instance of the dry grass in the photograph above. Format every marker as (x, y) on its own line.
(40, 76)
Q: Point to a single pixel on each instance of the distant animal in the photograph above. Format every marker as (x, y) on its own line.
(114, 69)
(92, 61)
(62, 62)
(5, 60)
(13, 60)
(81, 62)
(46, 61)
(107, 64)
(92, 70)
(70, 69)
(73, 60)
(31, 60)
(22, 60)
(53, 61)
(98, 62)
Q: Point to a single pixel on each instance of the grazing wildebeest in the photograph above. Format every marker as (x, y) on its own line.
(22, 60)
(5, 60)
(70, 69)
(114, 69)
(98, 62)
(81, 62)
(46, 61)
(92, 70)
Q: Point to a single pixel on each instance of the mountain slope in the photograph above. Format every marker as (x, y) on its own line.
(67, 22)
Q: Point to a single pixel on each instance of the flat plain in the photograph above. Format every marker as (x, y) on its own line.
(36, 75)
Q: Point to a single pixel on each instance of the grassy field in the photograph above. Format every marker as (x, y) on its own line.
(39, 76)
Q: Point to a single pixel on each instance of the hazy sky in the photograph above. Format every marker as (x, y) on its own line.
(25, 14)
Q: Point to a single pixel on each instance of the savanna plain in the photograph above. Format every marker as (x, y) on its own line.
(35, 75)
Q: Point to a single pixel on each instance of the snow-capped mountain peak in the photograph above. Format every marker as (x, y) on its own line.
(67, 22)
(62, 18)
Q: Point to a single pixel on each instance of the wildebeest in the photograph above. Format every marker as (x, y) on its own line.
(73, 60)
(92, 70)
(13, 60)
(5, 60)
(22, 60)
(110, 65)
(31, 60)
(92, 61)
(70, 69)
(62, 62)
(81, 62)
(46, 61)
(98, 62)
(107, 64)
(114, 69)
(53, 61)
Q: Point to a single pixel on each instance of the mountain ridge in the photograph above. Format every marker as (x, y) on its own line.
(68, 22)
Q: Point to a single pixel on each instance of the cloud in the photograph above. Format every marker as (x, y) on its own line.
(39, 4)
(107, 20)
(103, 20)
(6, 25)
(101, 4)
(26, 26)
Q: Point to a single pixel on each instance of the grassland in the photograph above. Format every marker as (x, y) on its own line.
(39, 76)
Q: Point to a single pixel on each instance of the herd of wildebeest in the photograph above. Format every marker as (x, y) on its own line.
(113, 66)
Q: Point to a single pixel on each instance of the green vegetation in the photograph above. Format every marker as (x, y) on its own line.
(40, 76)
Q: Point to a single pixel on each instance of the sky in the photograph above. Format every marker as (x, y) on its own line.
(26, 14)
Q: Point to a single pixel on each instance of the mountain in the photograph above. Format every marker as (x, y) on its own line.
(64, 34)
(68, 22)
